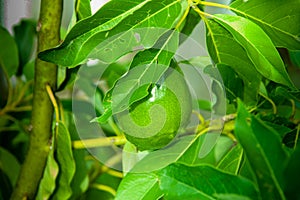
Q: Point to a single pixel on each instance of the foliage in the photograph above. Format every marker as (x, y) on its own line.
(249, 151)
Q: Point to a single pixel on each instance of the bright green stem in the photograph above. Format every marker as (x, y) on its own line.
(42, 113)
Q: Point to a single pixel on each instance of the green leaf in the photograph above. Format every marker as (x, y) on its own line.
(83, 9)
(161, 158)
(25, 33)
(119, 27)
(223, 48)
(202, 182)
(193, 156)
(9, 57)
(66, 163)
(144, 186)
(147, 68)
(261, 143)
(9, 165)
(80, 181)
(258, 46)
(279, 19)
(231, 162)
(292, 175)
(48, 182)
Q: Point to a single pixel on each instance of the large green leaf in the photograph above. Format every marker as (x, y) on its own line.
(263, 148)
(66, 163)
(83, 9)
(223, 48)
(139, 187)
(9, 57)
(279, 19)
(117, 28)
(202, 182)
(147, 68)
(258, 46)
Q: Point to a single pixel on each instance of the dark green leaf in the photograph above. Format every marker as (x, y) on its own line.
(9, 57)
(223, 48)
(178, 182)
(119, 27)
(144, 186)
(292, 175)
(4, 87)
(286, 94)
(83, 9)
(295, 57)
(261, 143)
(279, 19)
(9, 165)
(258, 46)
(25, 33)
(66, 163)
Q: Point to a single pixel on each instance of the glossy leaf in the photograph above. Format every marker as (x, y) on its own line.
(260, 144)
(9, 57)
(258, 46)
(119, 27)
(177, 182)
(139, 187)
(224, 49)
(83, 9)
(277, 18)
(66, 163)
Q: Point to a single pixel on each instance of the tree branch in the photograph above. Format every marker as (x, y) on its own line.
(42, 112)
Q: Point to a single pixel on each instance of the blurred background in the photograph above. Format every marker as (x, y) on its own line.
(11, 11)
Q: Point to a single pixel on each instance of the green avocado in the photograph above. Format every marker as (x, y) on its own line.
(153, 122)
